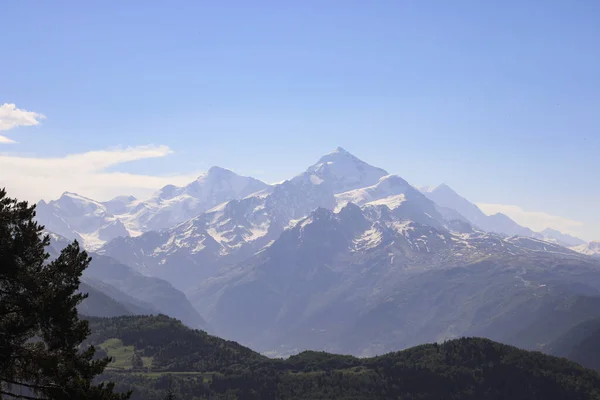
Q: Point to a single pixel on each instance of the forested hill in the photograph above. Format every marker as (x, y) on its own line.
(156, 352)
(172, 345)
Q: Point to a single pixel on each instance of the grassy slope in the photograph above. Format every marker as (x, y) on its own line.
(121, 354)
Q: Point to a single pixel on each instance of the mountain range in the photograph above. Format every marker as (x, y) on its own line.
(196, 249)
(366, 281)
(445, 196)
(342, 257)
(94, 223)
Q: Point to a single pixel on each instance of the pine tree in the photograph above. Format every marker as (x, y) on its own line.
(40, 330)
(136, 361)
(170, 395)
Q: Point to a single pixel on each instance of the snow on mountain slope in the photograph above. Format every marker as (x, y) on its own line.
(332, 273)
(95, 223)
(386, 186)
(77, 217)
(398, 195)
(589, 249)
(172, 205)
(199, 247)
(327, 244)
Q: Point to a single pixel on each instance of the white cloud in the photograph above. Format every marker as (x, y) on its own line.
(32, 179)
(5, 140)
(12, 117)
(536, 220)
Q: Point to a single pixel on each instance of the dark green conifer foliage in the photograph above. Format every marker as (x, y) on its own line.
(40, 331)
(136, 361)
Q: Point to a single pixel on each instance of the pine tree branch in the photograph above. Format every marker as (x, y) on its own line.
(11, 311)
(35, 387)
(19, 396)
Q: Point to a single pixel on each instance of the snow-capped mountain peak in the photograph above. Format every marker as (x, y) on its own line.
(340, 149)
(215, 170)
(94, 223)
(70, 198)
(77, 217)
(215, 174)
(343, 171)
(172, 204)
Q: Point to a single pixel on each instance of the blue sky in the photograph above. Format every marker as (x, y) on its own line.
(499, 100)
